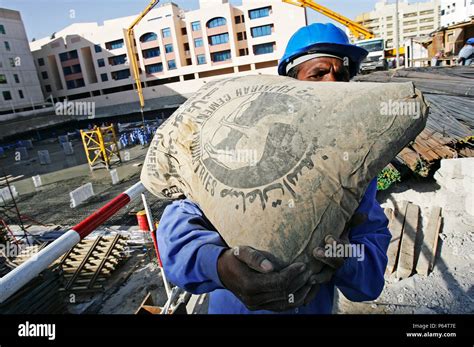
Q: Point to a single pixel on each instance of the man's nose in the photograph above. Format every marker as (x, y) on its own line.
(330, 77)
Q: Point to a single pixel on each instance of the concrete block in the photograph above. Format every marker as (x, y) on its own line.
(68, 148)
(37, 181)
(81, 194)
(44, 157)
(114, 176)
(6, 195)
(21, 153)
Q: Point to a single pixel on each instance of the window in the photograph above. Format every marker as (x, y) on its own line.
(260, 12)
(148, 37)
(7, 46)
(3, 79)
(218, 39)
(169, 48)
(422, 13)
(198, 42)
(201, 59)
(411, 14)
(154, 68)
(7, 95)
(101, 62)
(104, 77)
(121, 74)
(183, 31)
(70, 70)
(16, 78)
(196, 26)
(114, 44)
(47, 88)
(118, 60)
(150, 53)
(242, 36)
(12, 62)
(97, 48)
(2, 29)
(68, 55)
(237, 19)
(220, 56)
(73, 84)
(186, 47)
(243, 51)
(216, 22)
(166, 32)
(263, 30)
(44, 75)
(264, 48)
(171, 64)
(20, 94)
(40, 61)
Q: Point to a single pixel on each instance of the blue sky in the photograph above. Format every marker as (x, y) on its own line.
(43, 17)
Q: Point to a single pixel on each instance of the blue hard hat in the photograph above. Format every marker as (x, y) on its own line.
(470, 41)
(322, 38)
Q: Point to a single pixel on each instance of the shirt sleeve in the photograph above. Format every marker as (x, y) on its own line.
(361, 278)
(189, 248)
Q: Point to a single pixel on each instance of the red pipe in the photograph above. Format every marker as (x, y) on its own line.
(96, 219)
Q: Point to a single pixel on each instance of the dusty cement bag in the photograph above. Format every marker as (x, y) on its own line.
(276, 163)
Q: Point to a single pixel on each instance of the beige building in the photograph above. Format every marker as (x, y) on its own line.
(20, 90)
(415, 19)
(178, 52)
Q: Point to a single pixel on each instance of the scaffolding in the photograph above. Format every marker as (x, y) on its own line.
(100, 145)
(10, 214)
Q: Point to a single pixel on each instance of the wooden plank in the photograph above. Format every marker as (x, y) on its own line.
(396, 229)
(406, 259)
(430, 242)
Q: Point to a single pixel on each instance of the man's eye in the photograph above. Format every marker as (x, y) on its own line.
(318, 74)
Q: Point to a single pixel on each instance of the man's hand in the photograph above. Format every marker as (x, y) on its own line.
(333, 263)
(253, 276)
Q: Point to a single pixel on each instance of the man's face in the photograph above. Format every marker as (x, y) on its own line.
(323, 69)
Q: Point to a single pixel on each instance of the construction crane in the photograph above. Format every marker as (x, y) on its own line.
(132, 53)
(359, 31)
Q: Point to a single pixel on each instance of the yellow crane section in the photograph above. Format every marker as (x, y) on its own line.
(132, 52)
(359, 31)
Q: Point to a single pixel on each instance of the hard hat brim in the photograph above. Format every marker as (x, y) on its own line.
(354, 53)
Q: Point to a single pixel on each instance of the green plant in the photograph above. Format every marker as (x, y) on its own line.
(387, 177)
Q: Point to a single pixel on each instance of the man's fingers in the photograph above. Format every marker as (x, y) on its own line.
(281, 281)
(291, 301)
(253, 258)
(322, 277)
(334, 262)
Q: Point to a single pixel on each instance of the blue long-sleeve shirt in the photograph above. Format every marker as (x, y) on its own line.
(189, 249)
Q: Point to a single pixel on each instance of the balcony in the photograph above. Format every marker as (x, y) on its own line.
(217, 48)
(149, 44)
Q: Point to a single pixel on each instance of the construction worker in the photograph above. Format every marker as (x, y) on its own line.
(466, 54)
(245, 280)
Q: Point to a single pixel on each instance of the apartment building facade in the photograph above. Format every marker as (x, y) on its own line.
(415, 19)
(20, 89)
(178, 51)
(456, 11)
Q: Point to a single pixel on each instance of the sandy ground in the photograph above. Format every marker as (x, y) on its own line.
(450, 287)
